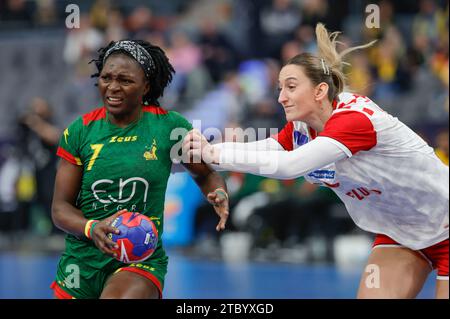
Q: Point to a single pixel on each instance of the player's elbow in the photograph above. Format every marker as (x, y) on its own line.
(56, 214)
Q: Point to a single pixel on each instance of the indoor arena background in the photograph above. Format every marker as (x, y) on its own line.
(285, 239)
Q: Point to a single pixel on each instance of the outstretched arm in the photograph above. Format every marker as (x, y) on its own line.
(268, 144)
(274, 164)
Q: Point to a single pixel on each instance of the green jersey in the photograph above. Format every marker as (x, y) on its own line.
(123, 168)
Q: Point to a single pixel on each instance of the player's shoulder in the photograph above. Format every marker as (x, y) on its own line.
(170, 119)
(350, 102)
(92, 116)
(166, 115)
(161, 113)
(155, 110)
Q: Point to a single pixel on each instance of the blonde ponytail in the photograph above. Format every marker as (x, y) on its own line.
(328, 66)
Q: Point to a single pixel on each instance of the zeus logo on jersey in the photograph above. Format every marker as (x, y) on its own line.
(97, 189)
(121, 139)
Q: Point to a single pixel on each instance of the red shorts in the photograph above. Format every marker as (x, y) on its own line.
(436, 255)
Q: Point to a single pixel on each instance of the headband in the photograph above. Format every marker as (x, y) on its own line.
(137, 52)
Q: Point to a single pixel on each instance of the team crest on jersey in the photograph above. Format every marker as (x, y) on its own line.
(300, 138)
(150, 155)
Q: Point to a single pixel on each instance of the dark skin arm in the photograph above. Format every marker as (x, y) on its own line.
(208, 181)
(70, 219)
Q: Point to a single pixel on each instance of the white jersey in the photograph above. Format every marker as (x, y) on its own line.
(392, 183)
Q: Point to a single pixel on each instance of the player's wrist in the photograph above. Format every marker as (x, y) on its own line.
(222, 191)
(89, 228)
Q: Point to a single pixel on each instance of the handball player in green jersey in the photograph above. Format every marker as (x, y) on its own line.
(116, 158)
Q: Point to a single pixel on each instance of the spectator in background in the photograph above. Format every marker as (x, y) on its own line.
(360, 78)
(218, 52)
(387, 14)
(83, 42)
(278, 24)
(45, 14)
(290, 49)
(16, 14)
(184, 53)
(430, 22)
(266, 113)
(220, 107)
(305, 35)
(441, 148)
(158, 38)
(429, 29)
(314, 11)
(9, 201)
(139, 22)
(439, 62)
(115, 29)
(440, 68)
(39, 139)
(191, 80)
(385, 58)
(263, 111)
(99, 14)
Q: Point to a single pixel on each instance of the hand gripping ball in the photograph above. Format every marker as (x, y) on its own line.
(138, 237)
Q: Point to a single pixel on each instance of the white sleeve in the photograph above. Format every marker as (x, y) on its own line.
(282, 164)
(268, 144)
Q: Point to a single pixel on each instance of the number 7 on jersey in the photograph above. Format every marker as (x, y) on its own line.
(96, 148)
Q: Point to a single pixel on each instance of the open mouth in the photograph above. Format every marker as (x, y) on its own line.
(114, 101)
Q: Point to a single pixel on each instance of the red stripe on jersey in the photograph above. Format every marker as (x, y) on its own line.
(66, 155)
(368, 111)
(285, 137)
(95, 115)
(154, 109)
(351, 128)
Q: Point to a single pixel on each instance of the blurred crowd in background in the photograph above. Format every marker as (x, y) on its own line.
(227, 55)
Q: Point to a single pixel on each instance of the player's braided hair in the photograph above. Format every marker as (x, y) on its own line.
(160, 77)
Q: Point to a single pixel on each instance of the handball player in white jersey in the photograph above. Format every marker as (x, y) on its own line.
(390, 180)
